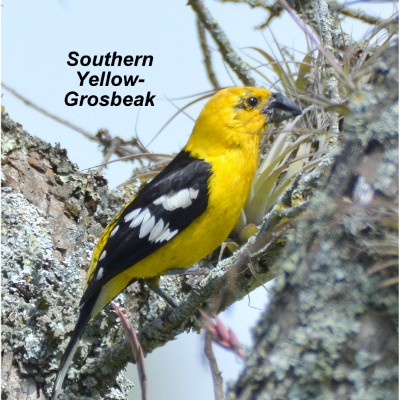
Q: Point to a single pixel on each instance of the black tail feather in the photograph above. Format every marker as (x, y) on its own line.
(85, 315)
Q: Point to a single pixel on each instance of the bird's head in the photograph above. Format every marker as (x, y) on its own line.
(237, 116)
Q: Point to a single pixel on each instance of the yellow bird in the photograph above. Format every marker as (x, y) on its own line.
(187, 210)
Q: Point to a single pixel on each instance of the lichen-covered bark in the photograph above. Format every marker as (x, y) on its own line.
(51, 216)
(331, 330)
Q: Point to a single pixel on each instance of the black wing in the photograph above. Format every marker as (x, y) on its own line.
(162, 209)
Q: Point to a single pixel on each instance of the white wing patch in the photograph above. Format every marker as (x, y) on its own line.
(165, 234)
(131, 215)
(102, 255)
(114, 231)
(181, 199)
(100, 273)
(140, 219)
(158, 231)
(146, 227)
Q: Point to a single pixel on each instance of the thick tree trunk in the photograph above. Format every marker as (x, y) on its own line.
(51, 216)
(331, 331)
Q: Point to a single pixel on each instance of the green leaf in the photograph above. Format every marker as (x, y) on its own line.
(305, 68)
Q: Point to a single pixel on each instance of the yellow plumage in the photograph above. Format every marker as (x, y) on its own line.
(190, 208)
(228, 140)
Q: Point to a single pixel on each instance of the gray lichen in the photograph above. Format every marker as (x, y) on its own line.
(48, 230)
(331, 330)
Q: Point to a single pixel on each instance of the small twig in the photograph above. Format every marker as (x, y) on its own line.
(228, 54)
(122, 148)
(115, 146)
(354, 13)
(207, 55)
(29, 103)
(155, 156)
(275, 10)
(328, 55)
(136, 348)
(389, 282)
(325, 22)
(111, 145)
(153, 171)
(215, 372)
(202, 97)
(180, 110)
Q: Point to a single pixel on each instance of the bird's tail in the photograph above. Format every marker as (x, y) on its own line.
(84, 316)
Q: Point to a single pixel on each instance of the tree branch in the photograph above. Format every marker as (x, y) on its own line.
(325, 22)
(207, 55)
(215, 372)
(228, 54)
(354, 13)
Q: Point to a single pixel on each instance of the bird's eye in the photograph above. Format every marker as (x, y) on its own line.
(252, 101)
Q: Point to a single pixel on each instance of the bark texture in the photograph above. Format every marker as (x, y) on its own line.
(331, 331)
(51, 216)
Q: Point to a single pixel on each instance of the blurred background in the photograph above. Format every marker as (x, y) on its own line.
(37, 38)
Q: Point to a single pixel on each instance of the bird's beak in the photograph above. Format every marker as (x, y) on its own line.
(279, 108)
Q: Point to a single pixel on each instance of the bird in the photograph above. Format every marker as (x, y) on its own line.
(186, 211)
